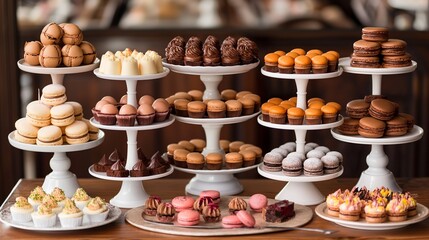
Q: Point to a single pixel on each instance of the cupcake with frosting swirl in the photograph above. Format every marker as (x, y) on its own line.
(36, 197)
(96, 210)
(59, 196)
(81, 198)
(71, 216)
(44, 217)
(21, 210)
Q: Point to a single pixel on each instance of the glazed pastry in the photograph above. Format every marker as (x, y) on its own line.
(201, 202)
(165, 212)
(236, 204)
(211, 213)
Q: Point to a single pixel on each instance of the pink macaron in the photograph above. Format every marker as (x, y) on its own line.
(188, 217)
(231, 221)
(257, 202)
(215, 195)
(181, 203)
(246, 218)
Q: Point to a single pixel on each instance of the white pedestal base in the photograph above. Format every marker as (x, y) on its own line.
(304, 193)
(131, 195)
(226, 184)
(375, 181)
(67, 181)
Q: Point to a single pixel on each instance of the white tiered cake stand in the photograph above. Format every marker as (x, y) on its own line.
(132, 193)
(221, 180)
(377, 174)
(300, 189)
(60, 164)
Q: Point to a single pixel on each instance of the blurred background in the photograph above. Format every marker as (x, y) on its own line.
(273, 24)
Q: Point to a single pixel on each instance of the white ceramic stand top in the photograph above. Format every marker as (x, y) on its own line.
(211, 76)
(60, 164)
(57, 74)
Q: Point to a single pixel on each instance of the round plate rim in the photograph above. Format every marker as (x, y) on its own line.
(345, 64)
(165, 72)
(301, 127)
(226, 120)
(279, 176)
(58, 70)
(152, 126)
(310, 76)
(210, 70)
(215, 172)
(128, 179)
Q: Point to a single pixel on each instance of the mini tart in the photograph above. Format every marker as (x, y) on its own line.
(145, 114)
(350, 209)
(195, 109)
(96, 210)
(71, 216)
(21, 210)
(126, 115)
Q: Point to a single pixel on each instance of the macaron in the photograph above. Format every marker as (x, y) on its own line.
(365, 62)
(319, 64)
(195, 160)
(393, 47)
(89, 53)
(216, 109)
(271, 60)
(50, 135)
(257, 202)
(213, 194)
(313, 167)
(331, 164)
(362, 48)
(32, 52)
(357, 108)
(410, 120)
(25, 132)
(272, 162)
(92, 130)
(188, 217)
(233, 160)
(246, 218)
(371, 127)
(292, 166)
(181, 203)
(228, 94)
(231, 221)
(382, 109)
(396, 126)
(77, 108)
(197, 95)
(195, 109)
(299, 51)
(72, 55)
(62, 115)
(38, 114)
(315, 154)
(403, 60)
(214, 161)
(77, 133)
(377, 34)
(286, 64)
(50, 56)
(53, 94)
(349, 127)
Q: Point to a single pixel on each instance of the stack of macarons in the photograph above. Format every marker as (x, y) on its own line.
(188, 154)
(315, 160)
(374, 117)
(109, 111)
(300, 61)
(54, 121)
(232, 104)
(59, 45)
(375, 50)
(318, 111)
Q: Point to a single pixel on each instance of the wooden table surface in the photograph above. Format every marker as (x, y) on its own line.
(168, 188)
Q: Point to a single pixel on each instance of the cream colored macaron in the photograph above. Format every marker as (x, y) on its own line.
(25, 131)
(53, 94)
(77, 133)
(92, 130)
(62, 115)
(38, 114)
(78, 110)
(49, 135)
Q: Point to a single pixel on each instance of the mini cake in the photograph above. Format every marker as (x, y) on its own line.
(333, 202)
(36, 197)
(249, 157)
(279, 211)
(109, 64)
(330, 113)
(201, 202)
(139, 169)
(81, 198)
(145, 114)
(236, 204)
(233, 160)
(233, 108)
(216, 109)
(230, 56)
(375, 212)
(295, 116)
(195, 109)
(211, 213)
(96, 210)
(214, 161)
(179, 156)
(195, 160)
(107, 114)
(277, 114)
(157, 164)
(126, 115)
(21, 210)
(397, 209)
(162, 109)
(271, 62)
(165, 212)
(44, 217)
(313, 116)
(151, 205)
(181, 107)
(265, 109)
(302, 65)
(350, 209)
(117, 170)
(248, 105)
(319, 64)
(103, 164)
(286, 64)
(71, 216)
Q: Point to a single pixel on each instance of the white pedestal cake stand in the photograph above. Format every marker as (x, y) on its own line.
(300, 189)
(211, 76)
(132, 193)
(221, 180)
(377, 174)
(60, 164)
(58, 73)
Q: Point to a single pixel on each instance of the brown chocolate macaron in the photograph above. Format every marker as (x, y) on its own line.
(382, 109)
(349, 127)
(396, 126)
(365, 62)
(371, 127)
(410, 120)
(397, 61)
(393, 47)
(375, 34)
(357, 108)
(362, 48)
